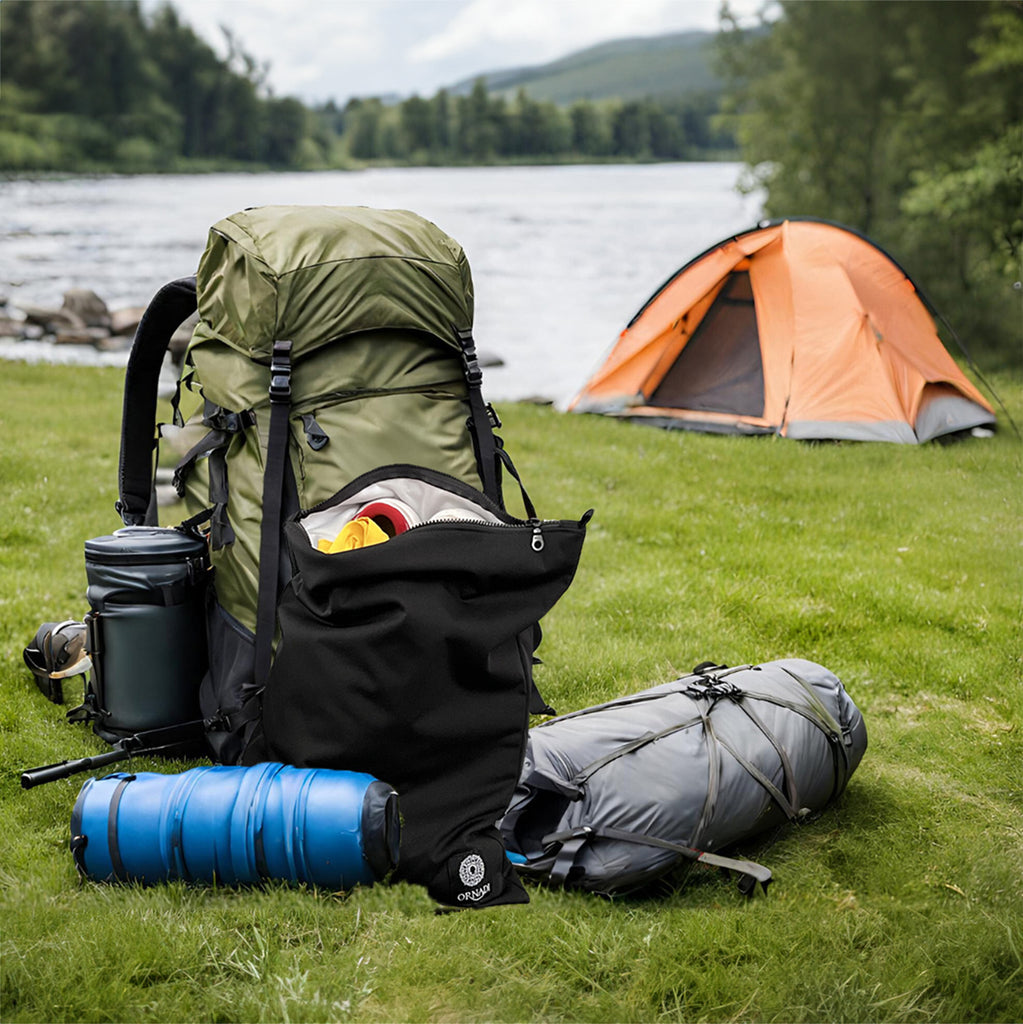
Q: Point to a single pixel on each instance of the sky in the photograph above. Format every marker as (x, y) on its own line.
(336, 49)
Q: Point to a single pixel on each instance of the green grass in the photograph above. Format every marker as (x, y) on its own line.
(901, 569)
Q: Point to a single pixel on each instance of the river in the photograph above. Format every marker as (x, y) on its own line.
(562, 257)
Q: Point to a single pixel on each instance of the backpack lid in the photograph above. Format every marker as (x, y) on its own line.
(312, 274)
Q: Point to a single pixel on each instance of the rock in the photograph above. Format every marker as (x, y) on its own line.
(114, 343)
(87, 306)
(51, 319)
(486, 359)
(80, 335)
(125, 321)
(10, 328)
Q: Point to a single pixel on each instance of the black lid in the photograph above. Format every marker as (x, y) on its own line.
(151, 543)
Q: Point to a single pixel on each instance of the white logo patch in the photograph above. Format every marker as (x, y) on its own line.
(471, 870)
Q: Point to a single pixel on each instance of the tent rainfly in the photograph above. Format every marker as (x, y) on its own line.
(800, 327)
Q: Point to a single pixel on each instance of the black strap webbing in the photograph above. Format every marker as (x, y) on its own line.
(171, 306)
(113, 844)
(273, 501)
(506, 461)
(479, 418)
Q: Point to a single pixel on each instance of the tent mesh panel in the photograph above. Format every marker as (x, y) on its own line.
(720, 369)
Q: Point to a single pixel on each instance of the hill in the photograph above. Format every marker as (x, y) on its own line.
(670, 66)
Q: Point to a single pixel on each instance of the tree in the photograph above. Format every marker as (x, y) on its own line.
(817, 99)
(284, 128)
(418, 124)
(630, 128)
(895, 118)
(971, 199)
(667, 141)
(477, 134)
(440, 107)
(537, 128)
(115, 87)
(190, 76)
(362, 120)
(591, 135)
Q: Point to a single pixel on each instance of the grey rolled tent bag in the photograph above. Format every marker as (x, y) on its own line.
(615, 796)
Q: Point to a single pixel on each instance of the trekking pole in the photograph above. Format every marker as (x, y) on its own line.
(64, 769)
(140, 744)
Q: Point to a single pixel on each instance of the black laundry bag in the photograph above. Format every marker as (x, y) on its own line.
(412, 660)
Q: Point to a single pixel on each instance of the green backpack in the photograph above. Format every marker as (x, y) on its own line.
(331, 341)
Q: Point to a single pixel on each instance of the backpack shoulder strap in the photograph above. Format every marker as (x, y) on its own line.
(171, 306)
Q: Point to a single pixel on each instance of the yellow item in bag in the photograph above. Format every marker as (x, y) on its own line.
(361, 532)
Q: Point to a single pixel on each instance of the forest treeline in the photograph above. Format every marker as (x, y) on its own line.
(97, 85)
(104, 85)
(481, 128)
(902, 119)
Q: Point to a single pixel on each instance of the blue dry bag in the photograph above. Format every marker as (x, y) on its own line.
(237, 826)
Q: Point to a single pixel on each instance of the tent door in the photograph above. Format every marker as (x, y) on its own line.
(720, 369)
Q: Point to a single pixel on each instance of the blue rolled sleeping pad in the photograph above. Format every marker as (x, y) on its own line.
(237, 826)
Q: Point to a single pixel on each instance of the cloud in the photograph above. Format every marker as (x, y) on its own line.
(336, 49)
(485, 23)
(553, 28)
(296, 35)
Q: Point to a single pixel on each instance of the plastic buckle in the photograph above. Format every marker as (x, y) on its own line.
(580, 831)
(714, 690)
(88, 711)
(280, 373)
(229, 422)
(473, 373)
(559, 838)
(495, 420)
(280, 388)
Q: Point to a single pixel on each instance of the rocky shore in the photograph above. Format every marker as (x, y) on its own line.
(82, 319)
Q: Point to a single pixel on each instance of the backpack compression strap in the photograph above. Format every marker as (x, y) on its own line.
(571, 843)
(172, 305)
(481, 419)
(273, 502)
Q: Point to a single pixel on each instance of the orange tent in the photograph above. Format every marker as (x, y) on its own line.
(799, 327)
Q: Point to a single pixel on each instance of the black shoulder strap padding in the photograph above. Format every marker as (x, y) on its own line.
(172, 305)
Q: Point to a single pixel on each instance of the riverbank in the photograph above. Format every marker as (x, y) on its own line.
(561, 257)
(99, 169)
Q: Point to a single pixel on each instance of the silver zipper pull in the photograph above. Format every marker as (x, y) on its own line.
(537, 537)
